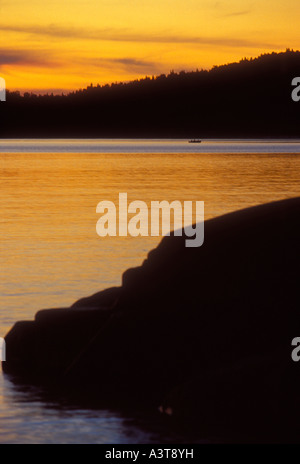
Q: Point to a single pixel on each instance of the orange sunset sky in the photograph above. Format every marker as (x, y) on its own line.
(50, 45)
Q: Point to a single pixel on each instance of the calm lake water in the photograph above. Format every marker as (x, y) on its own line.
(51, 254)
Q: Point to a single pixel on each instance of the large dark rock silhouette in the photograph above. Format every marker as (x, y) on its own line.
(205, 333)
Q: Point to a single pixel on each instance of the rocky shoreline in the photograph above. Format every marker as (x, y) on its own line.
(204, 333)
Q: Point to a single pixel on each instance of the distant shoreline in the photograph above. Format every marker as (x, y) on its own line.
(249, 99)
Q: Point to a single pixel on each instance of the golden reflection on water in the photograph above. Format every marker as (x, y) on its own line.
(50, 252)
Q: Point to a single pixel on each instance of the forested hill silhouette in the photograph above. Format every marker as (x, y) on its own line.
(251, 98)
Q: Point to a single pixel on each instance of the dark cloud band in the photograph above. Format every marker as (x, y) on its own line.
(124, 35)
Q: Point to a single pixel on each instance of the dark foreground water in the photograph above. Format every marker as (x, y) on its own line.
(51, 254)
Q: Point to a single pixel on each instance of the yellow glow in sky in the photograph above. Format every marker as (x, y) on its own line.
(67, 44)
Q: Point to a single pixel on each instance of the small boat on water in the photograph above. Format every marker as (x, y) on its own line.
(195, 141)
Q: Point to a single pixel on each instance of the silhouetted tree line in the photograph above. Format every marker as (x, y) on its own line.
(249, 98)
